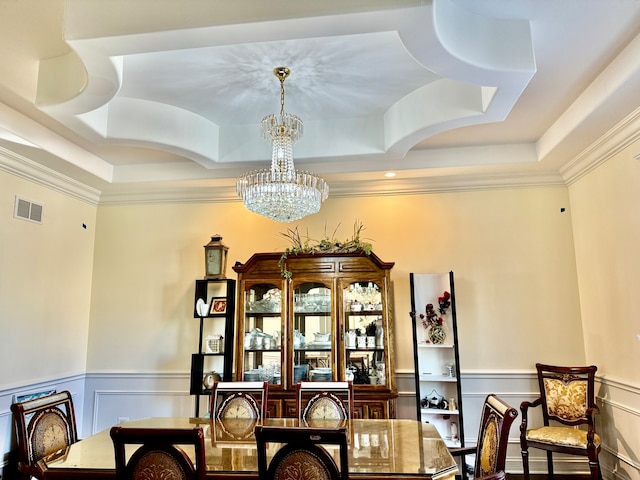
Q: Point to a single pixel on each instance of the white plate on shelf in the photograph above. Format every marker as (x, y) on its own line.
(319, 344)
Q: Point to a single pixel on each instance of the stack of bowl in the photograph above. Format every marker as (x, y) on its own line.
(320, 375)
(300, 372)
(252, 376)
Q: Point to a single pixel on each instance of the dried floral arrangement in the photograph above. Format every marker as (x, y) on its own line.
(304, 244)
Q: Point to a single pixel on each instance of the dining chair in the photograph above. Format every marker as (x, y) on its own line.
(324, 401)
(493, 437)
(44, 426)
(568, 403)
(239, 400)
(159, 454)
(301, 453)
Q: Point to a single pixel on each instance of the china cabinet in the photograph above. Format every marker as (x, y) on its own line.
(214, 307)
(436, 355)
(329, 321)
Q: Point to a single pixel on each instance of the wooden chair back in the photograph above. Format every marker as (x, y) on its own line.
(44, 426)
(493, 436)
(301, 454)
(567, 393)
(159, 454)
(324, 401)
(239, 400)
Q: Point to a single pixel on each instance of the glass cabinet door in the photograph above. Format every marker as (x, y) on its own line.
(312, 336)
(262, 347)
(365, 352)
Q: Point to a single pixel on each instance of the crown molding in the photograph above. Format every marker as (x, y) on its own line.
(29, 170)
(611, 143)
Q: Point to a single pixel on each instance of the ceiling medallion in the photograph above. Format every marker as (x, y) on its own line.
(282, 193)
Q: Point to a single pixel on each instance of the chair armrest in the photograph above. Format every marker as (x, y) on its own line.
(524, 408)
(460, 451)
(500, 475)
(595, 410)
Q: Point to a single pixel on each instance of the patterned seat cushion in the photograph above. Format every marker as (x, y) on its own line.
(562, 436)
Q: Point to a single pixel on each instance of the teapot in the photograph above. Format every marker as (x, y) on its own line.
(210, 378)
(298, 339)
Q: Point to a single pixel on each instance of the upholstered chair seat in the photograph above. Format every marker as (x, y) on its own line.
(566, 436)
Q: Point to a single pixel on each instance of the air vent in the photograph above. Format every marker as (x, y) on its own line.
(27, 210)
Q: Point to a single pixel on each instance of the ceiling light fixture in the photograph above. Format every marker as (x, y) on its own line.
(282, 193)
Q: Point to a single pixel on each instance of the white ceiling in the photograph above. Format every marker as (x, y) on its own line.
(130, 97)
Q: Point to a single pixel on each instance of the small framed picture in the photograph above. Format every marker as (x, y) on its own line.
(218, 305)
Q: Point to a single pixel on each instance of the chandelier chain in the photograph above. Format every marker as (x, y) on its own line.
(281, 97)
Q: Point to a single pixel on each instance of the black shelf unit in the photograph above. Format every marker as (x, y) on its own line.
(437, 366)
(221, 323)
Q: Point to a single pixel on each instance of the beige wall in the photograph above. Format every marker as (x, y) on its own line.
(607, 228)
(45, 284)
(605, 207)
(511, 251)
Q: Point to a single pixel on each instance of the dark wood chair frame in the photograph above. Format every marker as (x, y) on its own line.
(258, 390)
(592, 450)
(31, 414)
(304, 439)
(335, 391)
(165, 441)
(504, 415)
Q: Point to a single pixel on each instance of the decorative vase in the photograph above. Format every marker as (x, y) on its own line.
(436, 334)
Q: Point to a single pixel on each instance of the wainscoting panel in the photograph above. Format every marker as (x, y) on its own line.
(115, 397)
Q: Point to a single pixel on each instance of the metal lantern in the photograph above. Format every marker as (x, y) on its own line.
(215, 258)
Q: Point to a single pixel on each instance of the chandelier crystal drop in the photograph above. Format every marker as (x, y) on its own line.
(282, 193)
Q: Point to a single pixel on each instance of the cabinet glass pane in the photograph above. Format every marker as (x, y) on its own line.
(313, 335)
(262, 353)
(365, 353)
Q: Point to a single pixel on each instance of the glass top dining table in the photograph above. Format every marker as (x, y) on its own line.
(398, 448)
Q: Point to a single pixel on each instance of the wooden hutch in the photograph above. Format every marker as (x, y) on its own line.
(331, 320)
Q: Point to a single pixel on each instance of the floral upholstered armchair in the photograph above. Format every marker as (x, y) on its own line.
(568, 406)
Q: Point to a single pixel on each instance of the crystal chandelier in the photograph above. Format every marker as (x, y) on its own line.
(282, 193)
